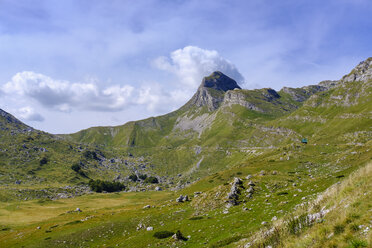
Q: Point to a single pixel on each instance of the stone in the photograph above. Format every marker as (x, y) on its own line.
(237, 181)
(78, 210)
(250, 190)
(182, 198)
(158, 188)
(147, 206)
(248, 177)
(150, 228)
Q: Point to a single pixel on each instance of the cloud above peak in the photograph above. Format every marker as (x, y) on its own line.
(191, 63)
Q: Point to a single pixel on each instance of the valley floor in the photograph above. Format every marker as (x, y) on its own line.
(283, 189)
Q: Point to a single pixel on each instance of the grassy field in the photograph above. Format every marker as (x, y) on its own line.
(110, 220)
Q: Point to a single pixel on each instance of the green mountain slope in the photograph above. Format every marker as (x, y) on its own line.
(222, 133)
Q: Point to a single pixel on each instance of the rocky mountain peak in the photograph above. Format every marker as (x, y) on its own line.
(212, 90)
(219, 81)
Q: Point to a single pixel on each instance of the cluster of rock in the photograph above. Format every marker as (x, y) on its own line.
(362, 72)
(182, 198)
(233, 195)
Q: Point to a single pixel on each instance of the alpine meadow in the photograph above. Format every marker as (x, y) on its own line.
(230, 168)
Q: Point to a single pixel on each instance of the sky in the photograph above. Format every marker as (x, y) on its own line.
(73, 64)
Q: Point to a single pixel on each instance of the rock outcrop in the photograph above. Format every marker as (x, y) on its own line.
(211, 91)
(362, 72)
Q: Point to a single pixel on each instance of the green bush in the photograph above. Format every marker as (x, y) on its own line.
(76, 167)
(338, 229)
(133, 177)
(151, 180)
(356, 243)
(142, 176)
(99, 186)
(90, 155)
(43, 161)
(163, 234)
(196, 218)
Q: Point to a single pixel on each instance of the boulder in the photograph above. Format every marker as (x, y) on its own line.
(182, 198)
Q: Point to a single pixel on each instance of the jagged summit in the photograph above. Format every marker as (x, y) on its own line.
(212, 90)
(219, 81)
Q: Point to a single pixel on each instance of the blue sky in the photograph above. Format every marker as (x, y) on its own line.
(71, 64)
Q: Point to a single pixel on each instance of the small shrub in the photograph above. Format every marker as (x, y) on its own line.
(90, 155)
(211, 181)
(76, 167)
(163, 234)
(239, 173)
(99, 186)
(142, 176)
(151, 180)
(338, 229)
(354, 227)
(282, 193)
(43, 161)
(196, 218)
(356, 243)
(133, 177)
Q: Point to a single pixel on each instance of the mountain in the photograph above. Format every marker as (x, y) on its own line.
(284, 168)
(220, 115)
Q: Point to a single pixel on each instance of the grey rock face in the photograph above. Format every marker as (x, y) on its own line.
(302, 94)
(211, 91)
(236, 97)
(362, 72)
(219, 81)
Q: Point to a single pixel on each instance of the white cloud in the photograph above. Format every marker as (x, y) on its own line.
(28, 113)
(65, 96)
(190, 64)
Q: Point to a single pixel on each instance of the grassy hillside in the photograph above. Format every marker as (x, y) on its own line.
(199, 151)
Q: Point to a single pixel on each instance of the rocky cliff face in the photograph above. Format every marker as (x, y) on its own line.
(238, 97)
(362, 72)
(211, 91)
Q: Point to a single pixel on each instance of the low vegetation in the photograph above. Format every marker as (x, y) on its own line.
(100, 186)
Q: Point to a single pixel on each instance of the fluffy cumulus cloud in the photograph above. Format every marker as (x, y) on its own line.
(190, 64)
(66, 96)
(29, 114)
